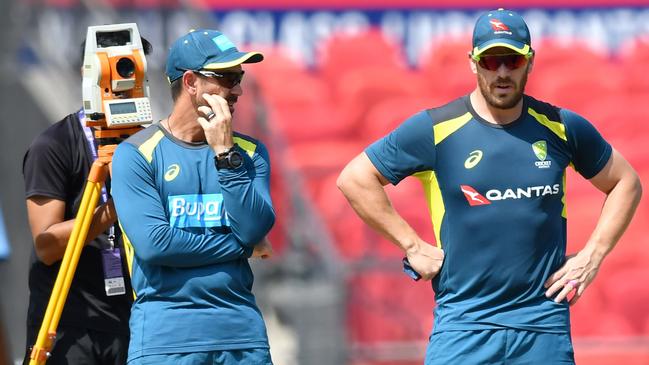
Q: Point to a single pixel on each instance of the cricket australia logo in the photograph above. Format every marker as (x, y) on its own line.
(540, 149)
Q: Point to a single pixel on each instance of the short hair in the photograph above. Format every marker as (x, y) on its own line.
(176, 88)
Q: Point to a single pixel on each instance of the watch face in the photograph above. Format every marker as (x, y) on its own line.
(235, 159)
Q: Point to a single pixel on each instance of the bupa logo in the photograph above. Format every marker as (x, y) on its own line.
(197, 210)
(475, 198)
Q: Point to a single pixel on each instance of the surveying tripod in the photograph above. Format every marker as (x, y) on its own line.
(96, 178)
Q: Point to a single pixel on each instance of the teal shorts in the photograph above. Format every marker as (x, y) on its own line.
(228, 357)
(499, 347)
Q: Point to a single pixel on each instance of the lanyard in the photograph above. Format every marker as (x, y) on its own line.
(91, 143)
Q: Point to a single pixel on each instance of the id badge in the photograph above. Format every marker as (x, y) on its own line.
(113, 277)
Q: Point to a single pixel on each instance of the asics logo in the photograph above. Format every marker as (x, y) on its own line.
(473, 160)
(172, 172)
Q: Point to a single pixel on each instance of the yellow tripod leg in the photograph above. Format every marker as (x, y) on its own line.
(47, 332)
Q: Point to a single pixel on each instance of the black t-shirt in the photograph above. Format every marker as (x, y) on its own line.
(56, 165)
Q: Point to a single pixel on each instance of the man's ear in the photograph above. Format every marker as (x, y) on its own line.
(189, 82)
(530, 64)
(474, 68)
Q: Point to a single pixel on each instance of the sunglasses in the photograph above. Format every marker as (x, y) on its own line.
(226, 79)
(511, 61)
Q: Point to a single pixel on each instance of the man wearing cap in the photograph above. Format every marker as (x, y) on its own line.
(493, 166)
(193, 199)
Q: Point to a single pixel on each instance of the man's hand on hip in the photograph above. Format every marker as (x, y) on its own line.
(426, 259)
(577, 272)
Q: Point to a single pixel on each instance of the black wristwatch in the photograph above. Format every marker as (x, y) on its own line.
(230, 159)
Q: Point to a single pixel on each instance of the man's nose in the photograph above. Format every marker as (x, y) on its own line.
(503, 70)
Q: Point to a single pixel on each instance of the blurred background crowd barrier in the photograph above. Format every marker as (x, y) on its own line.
(337, 76)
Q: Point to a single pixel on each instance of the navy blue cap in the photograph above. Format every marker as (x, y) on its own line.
(501, 28)
(205, 49)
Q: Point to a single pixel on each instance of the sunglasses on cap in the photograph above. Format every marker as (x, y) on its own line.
(511, 61)
(226, 79)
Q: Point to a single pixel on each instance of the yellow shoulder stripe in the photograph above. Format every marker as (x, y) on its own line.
(246, 145)
(556, 127)
(446, 128)
(149, 145)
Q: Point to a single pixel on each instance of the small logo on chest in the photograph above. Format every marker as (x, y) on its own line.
(172, 172)
(540, 149)
(473, 159)
(473, 197)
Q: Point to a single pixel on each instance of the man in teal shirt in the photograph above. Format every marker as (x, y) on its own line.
(493, 167)
(193, 199)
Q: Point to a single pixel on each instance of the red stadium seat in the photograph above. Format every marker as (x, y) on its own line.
(563, 73)
(310, 122)
(362, 89)
(349, 232)
(627, 295)
(583, 314)
(634, 58)
(635, 77)
(447, 69)
(409, 200)
(613, 324)
(388, 306)
(277, 60)
(386, 115)
(607, 351)
(618, 116)
(550, 52)
(277, 94)
(577, 90)
(283, 82)
(344, 52)
(320, 158)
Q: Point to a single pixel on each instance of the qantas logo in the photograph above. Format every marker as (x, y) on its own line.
(474, 198)
(497, 25)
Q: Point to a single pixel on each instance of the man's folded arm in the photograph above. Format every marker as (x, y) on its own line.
(144, 221)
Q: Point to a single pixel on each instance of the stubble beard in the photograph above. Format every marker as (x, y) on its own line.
(498, 102)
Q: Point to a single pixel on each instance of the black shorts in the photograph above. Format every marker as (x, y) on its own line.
(82, 346)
